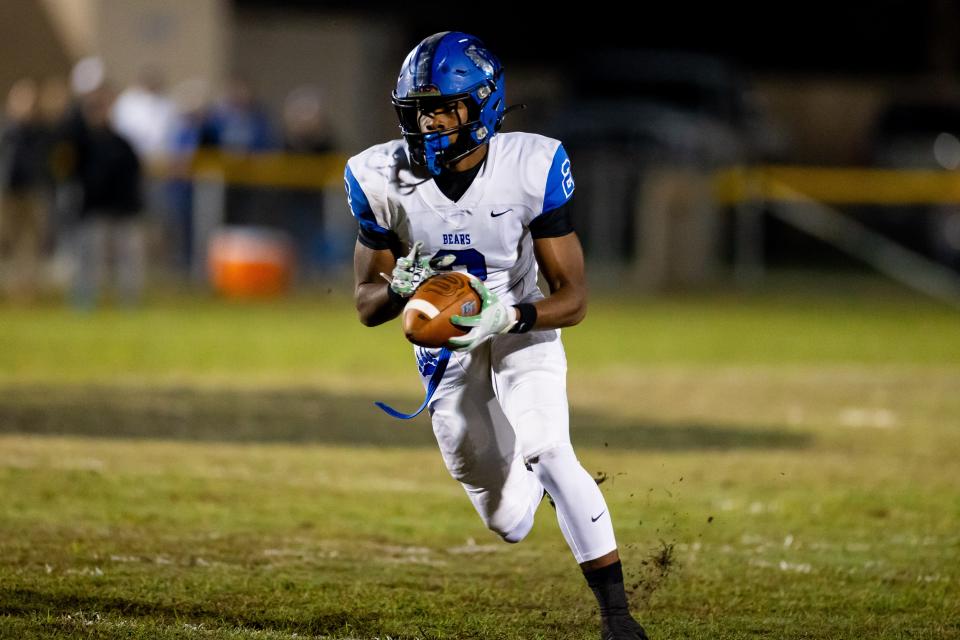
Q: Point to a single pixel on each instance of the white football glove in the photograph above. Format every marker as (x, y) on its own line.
(412, 269)
(494, 318)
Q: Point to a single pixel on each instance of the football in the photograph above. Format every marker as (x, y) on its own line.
(426, 317)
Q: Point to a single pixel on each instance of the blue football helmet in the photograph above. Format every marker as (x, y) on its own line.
(440, 71)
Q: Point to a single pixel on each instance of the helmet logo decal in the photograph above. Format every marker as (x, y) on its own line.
(478, 57)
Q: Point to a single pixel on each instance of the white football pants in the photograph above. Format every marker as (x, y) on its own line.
(503, 405)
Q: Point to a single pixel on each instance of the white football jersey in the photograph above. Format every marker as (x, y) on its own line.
(524, 176)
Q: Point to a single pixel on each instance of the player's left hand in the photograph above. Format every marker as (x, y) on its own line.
(494, 318)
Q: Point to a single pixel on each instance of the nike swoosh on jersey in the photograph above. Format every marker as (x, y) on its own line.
(592, 519)
(497, 215)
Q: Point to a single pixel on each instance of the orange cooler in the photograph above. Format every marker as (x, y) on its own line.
(250, 262)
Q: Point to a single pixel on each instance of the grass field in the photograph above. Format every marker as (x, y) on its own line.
(781, 465)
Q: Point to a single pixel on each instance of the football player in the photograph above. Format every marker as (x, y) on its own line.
(455, 193)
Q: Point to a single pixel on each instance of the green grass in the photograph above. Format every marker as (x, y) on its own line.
(779, 466)
(320, 336)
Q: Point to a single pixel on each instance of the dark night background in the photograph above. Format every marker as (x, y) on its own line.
(885, 36)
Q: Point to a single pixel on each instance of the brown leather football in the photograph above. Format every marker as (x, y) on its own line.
(426, 317)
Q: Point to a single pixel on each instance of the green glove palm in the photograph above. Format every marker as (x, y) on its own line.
(494, 318)
(412, 269)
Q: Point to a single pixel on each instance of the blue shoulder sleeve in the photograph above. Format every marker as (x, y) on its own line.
(559, 181)
(359, 205)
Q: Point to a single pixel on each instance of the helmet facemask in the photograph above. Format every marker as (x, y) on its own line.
(434, 149)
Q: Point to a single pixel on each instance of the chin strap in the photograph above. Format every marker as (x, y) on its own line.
(513, 107)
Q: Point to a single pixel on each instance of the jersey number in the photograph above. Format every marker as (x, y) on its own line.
(472, 259)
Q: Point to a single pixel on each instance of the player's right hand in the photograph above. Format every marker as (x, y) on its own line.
(494, 318)
(412, 269)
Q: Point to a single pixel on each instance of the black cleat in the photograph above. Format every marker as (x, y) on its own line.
(621, 628)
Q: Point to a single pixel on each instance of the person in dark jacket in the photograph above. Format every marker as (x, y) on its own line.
(110, 232)
(23, 169)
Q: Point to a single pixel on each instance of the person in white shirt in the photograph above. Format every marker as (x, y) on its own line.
(145, 115)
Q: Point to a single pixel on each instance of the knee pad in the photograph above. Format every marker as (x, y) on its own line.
(506, 498)
(511, 520)
(520, 530)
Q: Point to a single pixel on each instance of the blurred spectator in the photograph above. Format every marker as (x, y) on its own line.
(110, 231)
(239, 124)
(87, 76)
(63, 192)
(54, 111)
(23, 170)
(191, 99)
(305, 131)
(144, 115)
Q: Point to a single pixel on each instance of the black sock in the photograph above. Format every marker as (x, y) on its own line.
(607, 584)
